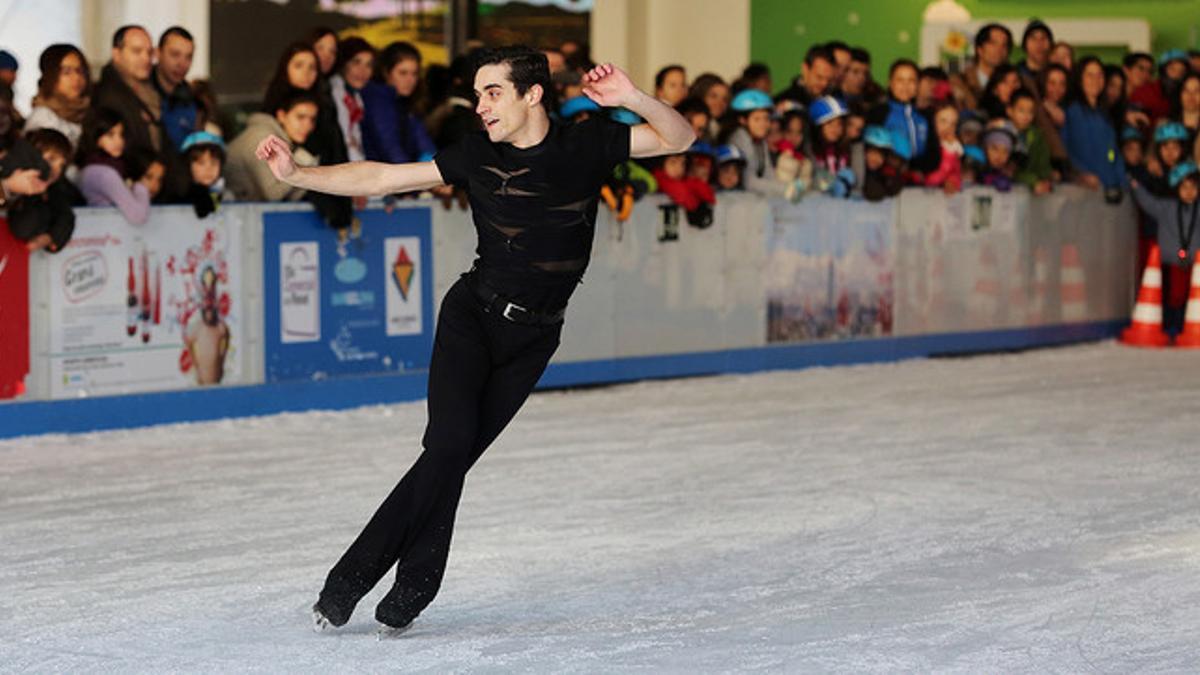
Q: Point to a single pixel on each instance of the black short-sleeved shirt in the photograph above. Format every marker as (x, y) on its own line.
(535, 208)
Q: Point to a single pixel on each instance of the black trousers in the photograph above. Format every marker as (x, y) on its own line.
(482, 370)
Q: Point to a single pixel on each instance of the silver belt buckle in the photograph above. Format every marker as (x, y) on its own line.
(509, 307)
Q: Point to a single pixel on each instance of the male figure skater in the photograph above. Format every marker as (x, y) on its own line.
(533, 186)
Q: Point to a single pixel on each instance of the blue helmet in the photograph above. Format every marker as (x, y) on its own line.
(575, 105)
(826, 109)
(1172, 55)
(1181, 171)
(1130, 134)
(877, 137)
(1170, 131)
(730, 153)
(752, 99)
(626, 116)
(201, 138)
(701, 148)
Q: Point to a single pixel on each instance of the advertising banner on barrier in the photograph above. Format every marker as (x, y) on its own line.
(14, 313)
(829, 270)
(136, 308)
(362, 307)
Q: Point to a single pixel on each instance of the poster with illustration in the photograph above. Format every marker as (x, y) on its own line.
(138, 308)
(359, 307)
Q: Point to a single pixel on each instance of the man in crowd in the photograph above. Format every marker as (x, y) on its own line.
(125, 88)
(180, 110)
(817, 74)
(993, 44)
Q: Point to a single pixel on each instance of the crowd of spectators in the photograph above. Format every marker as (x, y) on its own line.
(142, 133)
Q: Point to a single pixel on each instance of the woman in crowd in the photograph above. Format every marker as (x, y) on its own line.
(1054, 86)
(293, 119)
(1088, 133)
(999, 90)
(391, 130)
(298, 69)
(108, 177)
(711, 89)
(1185, 108)
(356, 62)
(63, 92)
(326, 141)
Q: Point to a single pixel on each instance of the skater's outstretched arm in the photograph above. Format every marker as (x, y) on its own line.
(352, 179)
(666, 132)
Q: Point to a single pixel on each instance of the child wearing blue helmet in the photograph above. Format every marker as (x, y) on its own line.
(1169, 140)
(753, 109)
(830, 150)
(1178, 237)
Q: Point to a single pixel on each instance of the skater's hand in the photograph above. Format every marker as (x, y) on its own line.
(278, 156)
(609, 86)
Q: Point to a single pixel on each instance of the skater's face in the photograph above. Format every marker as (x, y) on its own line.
(302, 70)
(502, 110)
(113, 141)
(298, 122)
(56, 162)
(729, 176)
(1189, 189)
(758, 123)
(404, 75)
(206, 169)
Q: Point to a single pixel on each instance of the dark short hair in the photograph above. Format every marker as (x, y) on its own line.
(1021, 93)
(177, 31)
(294, 98)
(527, 67)
(661, 75)
(755, 70)
(836, 46)
(933, 72)
(691, 106)
(1133, 57)
(860, 55)
(50, 140)
(903, 63)
(118, 41)
(348, 49)
(393, 54)
(200, 149)
(981, 36)
(816, 52)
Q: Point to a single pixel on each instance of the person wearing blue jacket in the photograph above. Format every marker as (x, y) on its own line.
(1088, 133)
(908, 126)
(391, 132)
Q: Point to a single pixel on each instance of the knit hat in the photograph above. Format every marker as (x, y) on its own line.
(7, 60)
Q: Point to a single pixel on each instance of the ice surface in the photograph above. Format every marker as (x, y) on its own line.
(1029, 512)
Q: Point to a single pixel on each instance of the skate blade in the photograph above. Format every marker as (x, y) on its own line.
(320, 623)
(386, 632)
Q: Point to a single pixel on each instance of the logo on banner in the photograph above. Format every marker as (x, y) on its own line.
(299, 292)
(84, 276)
(402, 272)
(402, 255)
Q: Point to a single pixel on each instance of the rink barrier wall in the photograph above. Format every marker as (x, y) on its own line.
(768, 286)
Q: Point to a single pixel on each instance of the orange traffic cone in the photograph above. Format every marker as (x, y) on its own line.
(1190, 336)
(1146, 328)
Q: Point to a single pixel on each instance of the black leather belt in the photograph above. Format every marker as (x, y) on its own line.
(495, 302)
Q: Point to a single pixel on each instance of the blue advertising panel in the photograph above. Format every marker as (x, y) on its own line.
(355, 308)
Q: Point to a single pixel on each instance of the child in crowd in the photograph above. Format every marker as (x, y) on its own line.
(1169, 139)
(107, 178)
(205, 153)
(46, 221)
(694, 195)
(830, 151)
(949, 173)
(696, 113)
(970, 134)
(730, 164)
(909, 126)
(883, 176)
(1036, 171)
(1177, 236)
(753, 109)
(629, 179)
(999, 145)
(577, 109)
(792, 166)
